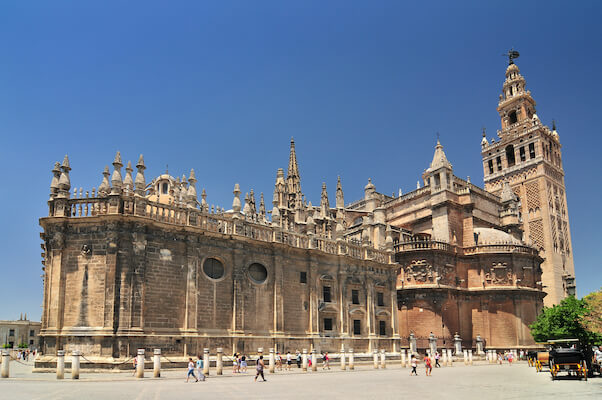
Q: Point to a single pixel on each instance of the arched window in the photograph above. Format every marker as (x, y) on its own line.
(164, 188)
(510, 155)
(512, 118)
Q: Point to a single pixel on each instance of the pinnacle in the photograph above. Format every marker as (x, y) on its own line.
(117, 160)
(66, 162)
(140, 163)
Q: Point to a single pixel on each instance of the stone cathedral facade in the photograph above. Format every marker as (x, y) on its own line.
(136, 264)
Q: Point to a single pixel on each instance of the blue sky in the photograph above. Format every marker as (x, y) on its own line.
(222, 86)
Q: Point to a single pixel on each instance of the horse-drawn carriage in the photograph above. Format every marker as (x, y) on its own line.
(566, 356)
(542, 361)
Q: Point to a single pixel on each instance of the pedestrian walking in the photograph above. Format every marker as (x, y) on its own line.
(235, 363)
(135, 363)
(437, 357)
(243, 364)
(414, 364)
(428, 366)
(199, 368)
(510, 358)
(279, 361)
(325, 361)
(289, 360)
(191, 371)
(260, 366)
(298, 359)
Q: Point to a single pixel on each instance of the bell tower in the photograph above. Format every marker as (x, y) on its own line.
(527, 156)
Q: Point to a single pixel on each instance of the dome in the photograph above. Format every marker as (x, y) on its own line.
(494, 236)
(370, 185)
(512, 67)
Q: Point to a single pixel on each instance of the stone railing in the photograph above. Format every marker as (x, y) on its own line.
(218, 222)
(417, 245)
(501, 248)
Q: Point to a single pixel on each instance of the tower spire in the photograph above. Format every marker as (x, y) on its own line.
(293, 168)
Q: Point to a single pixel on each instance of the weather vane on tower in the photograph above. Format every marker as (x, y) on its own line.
(512, 54)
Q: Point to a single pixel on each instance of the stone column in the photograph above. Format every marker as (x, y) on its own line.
(375, 358)
(450, 358)
(343, 361)
(156, 363)
(351, 367)
(403, 358)
(479, 345)
(140, 367)
(60, 364)
(272, 368)
(4, 372)
(457, 344)
(470, 356)
(444, 356)
(219, 361)
(413, 349)
(75, 364)
(304, 360)
(465, 355)
(314, 360)
(432, 344)
(383, 361)
(206, 361)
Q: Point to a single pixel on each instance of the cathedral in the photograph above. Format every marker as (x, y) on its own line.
(134, 264)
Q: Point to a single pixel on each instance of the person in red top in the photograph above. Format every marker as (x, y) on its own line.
(428, 366)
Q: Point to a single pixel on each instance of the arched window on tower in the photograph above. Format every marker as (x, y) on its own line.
(510, 155)
(512, 118)
(164, 188)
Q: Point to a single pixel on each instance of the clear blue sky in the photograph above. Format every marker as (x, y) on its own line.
(222, 86)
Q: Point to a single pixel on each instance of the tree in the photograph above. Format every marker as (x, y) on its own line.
(566, 320)
(593, 320)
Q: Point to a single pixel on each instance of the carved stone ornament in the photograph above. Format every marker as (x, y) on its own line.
(57, 240)
(499, 274)
(86, 251)
(420, 271)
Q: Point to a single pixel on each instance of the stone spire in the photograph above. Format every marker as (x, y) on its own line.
(340, 201)
(439, 158)
(116, 180)
(252, 207)
(64, 180)
(54, 183)
(293, 168)
(246, 210)
(140, 181)
(105, 187)
(507, 193)
(204, 205)
(279, 189)
(236, 205)
(324, 204)
(261, 208)
(293, 181)
(128, 182)
(191, 195)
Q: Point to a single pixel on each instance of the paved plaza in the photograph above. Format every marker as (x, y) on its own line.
(482, 381)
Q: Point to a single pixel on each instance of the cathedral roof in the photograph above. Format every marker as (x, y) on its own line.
(494, 236)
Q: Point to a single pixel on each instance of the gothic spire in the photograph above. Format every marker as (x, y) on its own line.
(192, 197)
(204, 205)
(261, 208)
(116, 180)
(293, 168)
(340, 201)
(104, 187)
(324, 205)
(128, 182)
(64, 181)
(236, 202)
(439, 158)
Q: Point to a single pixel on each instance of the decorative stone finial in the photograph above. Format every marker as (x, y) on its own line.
(140, 181)
(246, 210)
(192, 196)
(439, 158)
(417, 184)
(236, 205)
(324, 204)
(261, 208)
(128, 182)
(64, 180)
(54, 183)
(116, 180)
(340, 199)
(204, 205)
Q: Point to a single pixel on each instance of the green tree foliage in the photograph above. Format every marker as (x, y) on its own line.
(593, 320)
(566, 320)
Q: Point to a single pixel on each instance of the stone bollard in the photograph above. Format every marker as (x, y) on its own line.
(5, 363)
(450, 359)
(413, 348)
(403, 358)
(479, 345)
(60, 364)
(432, 344)
(206, 361)
(444, 356)
(351, 360)
(272, 368)
(343, 361)
(75, 364)
(304, 360)
(465, 355)
(156, 363)
(458, 344)
(140, 366)
(219, 361)
(375, 358)
(314, 360)
(470, 356)
(383, 360)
